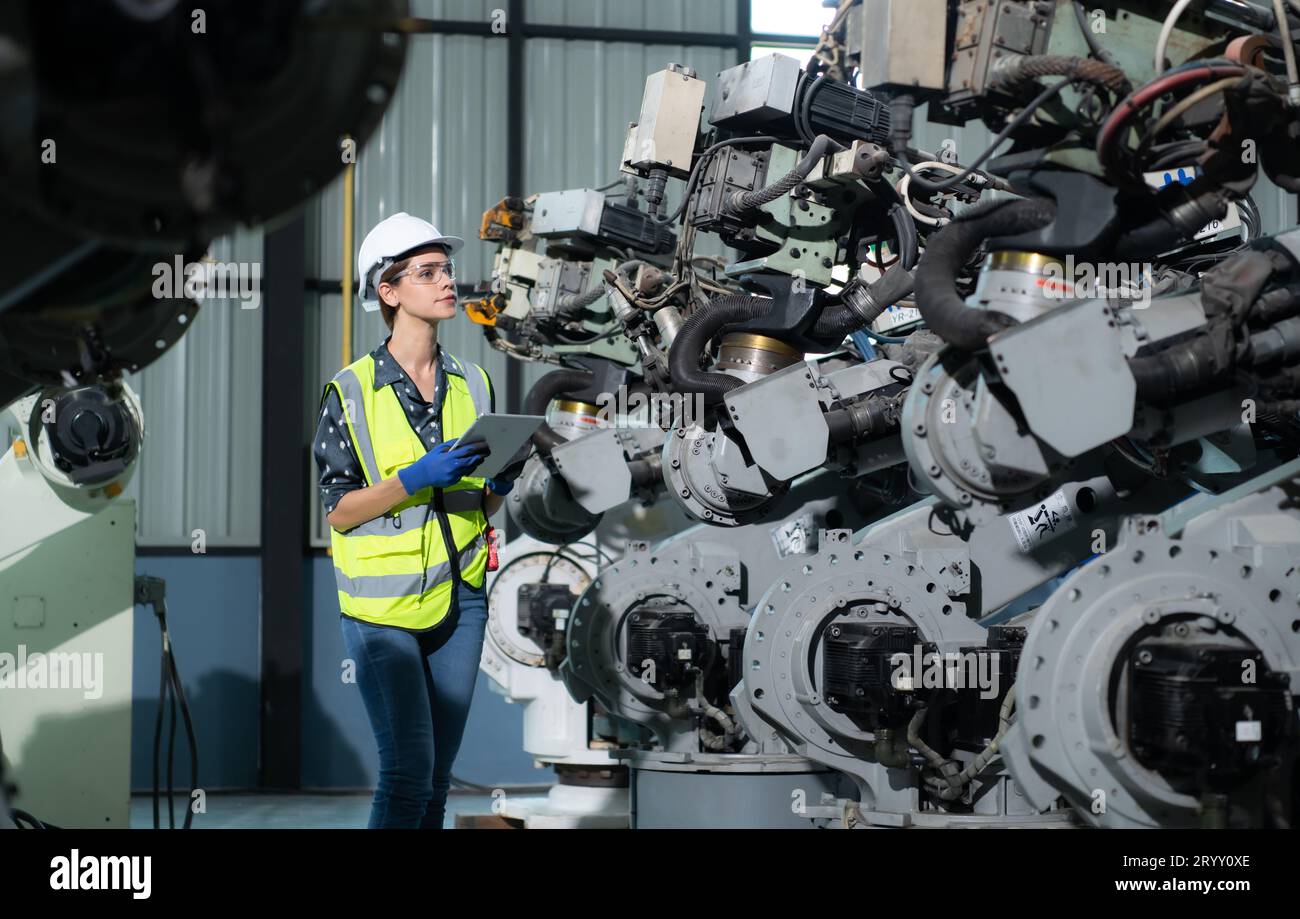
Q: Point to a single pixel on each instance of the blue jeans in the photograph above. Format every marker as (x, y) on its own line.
(417, 690)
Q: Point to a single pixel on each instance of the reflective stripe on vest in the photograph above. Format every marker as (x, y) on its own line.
(350, 393)
(476, 380)
(394, 569)
(456, 502)
(400, 585)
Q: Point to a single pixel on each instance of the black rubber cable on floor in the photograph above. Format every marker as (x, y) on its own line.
(151, 591)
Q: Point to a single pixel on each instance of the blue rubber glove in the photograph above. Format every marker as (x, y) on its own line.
(443, 466)
(500, 486)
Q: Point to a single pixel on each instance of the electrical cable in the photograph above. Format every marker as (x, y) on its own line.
(1175, 153)
(546, 388)
(879, 263)
(151, 591)
(904, 185)
(692, 340)
(947, 251)
(1166, 30)
(1094, 46)
(1177, 110)
(1200, 71)
(698, 168)
(741, 202)
(803, 124)
(885, 339)
(1288, 52)
(909, 244)
(1251, 221)
(600, 553)
(862, 342)
(826, 39)
(33, 823)
(1025, 114)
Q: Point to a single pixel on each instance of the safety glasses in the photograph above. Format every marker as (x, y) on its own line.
(428, 272)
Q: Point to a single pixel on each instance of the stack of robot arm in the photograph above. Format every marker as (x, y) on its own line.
(1040, 410)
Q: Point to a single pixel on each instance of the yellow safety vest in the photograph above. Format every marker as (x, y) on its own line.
(394, 570)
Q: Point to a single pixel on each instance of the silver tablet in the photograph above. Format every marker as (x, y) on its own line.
(505, 435)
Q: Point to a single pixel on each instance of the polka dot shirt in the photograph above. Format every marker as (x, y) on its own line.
(339, 468)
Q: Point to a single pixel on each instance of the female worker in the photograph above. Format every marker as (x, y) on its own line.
(408, 519)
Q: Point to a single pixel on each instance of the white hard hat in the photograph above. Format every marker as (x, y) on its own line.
(388, 242)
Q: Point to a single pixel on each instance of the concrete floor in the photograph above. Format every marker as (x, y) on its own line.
(287, 811)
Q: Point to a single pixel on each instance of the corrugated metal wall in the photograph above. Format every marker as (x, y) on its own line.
(569, 146)
(663, 15)
(200, 468)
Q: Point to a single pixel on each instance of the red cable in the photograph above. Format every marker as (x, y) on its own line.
(1141, 96)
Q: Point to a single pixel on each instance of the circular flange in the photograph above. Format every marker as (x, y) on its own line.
(545, 509)
(840, 583)
(48, 416)
(1081, 635)
(503, 608)
(694, 484)
(941, 447)
(702, 578)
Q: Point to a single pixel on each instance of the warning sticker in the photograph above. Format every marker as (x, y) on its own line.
(795, 537)
(1036, 525)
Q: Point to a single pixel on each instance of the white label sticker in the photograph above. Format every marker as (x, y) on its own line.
(1250, 731)
(794, 538)
(1184, 174)
(895, 316)
(1043, 521)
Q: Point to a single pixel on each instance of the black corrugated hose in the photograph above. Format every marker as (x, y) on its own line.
(693, 338)
(556, 383)
(872, 299)
(1187, 367)
(946, 252)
